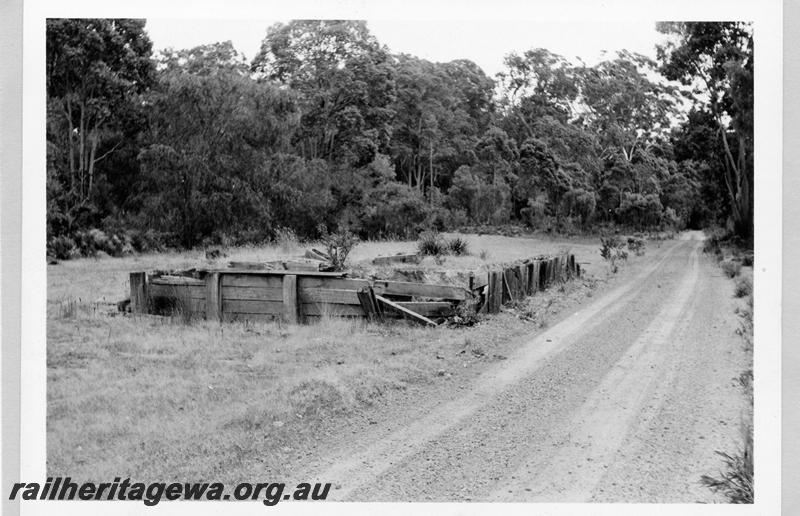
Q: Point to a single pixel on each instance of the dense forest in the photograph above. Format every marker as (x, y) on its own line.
(192, 147)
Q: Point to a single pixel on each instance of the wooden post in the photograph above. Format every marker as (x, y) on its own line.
(290, 306)
(507, 294)
(542, 274)
(139, 292)
(490, 292)
(213, 297)
(530, 285)
(498, 291)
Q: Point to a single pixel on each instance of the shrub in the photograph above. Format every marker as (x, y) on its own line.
(431, 243)
(338, 245)
(62, 247)
(731, 268)
(636, 245)
(612, 251)
(736, 483)
(744, 287)
(458, 246)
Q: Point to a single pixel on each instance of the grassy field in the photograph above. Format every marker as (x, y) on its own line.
(159, 399)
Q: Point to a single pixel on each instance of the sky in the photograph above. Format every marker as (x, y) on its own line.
(486, 42)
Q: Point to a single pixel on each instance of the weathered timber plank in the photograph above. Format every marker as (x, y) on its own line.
(230, 279)
(181, 291)
(498, 291)
(139, 301)
(291, 310)
(177, 280)
(519, 273)
(405, 311)
(326, 295)
(398, 258)
(243, 306)
(430, 308)
(508, 293)
(283, 273)
(213, 297)
(365, 301)
(542, 274)
(331, 310)
(253, 293)
(316, 254)
(480, 281)
(490, 288)
(382, 287)
(250, 266)
(304, 282)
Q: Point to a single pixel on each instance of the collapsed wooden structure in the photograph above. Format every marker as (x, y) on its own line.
(303, 294)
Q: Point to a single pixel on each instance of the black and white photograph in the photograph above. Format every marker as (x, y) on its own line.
(324, 259)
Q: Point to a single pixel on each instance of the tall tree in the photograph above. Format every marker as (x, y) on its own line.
(96, 69)
(214, 133)
(716, 60)
(625, 107)
(440, 112)
(344, 81)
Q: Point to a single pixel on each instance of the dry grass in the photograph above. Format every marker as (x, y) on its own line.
(161, 398)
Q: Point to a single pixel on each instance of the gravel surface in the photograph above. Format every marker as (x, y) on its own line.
(625, 400)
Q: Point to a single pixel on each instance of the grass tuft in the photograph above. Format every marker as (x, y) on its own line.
(744, 287)
(736, 481)
(731, 268)
(431, 243)
(458, 246)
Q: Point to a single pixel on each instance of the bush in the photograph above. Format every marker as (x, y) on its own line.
(612, 251)
(458, 246)
(431, 243)
(62, 247)
(636, 245)
(731, 268)
(744, 287)
(338, 245)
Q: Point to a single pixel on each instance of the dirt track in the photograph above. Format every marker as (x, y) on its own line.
(625, 400)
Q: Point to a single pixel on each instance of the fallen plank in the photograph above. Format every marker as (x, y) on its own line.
(430, 308)
(404, 311)
(317, 255)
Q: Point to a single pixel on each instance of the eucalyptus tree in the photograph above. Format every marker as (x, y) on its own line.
(96, 70)
(344, 82)
(715, 59)
(214, 133)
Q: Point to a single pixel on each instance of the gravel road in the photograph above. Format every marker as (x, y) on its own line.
(624, 400)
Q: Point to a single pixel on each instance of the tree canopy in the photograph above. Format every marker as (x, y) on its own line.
(325, 125)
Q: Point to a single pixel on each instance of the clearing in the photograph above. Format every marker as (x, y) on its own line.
(612, 388)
